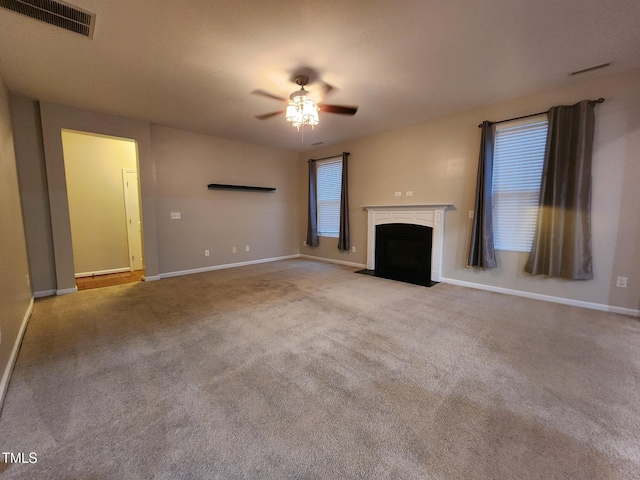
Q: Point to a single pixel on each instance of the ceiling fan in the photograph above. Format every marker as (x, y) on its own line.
(301, 110)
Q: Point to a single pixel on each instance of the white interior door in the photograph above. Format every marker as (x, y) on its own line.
(134, 224)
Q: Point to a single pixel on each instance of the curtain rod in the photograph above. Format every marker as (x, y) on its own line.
(600, 100)
(330, 156)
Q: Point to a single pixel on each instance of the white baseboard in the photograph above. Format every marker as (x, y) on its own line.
(67, 291)
(547, 298)
(624, 311)
(150, 278)
(331, 260)
(227, 265)
(103, 272)
(6, 375)
(44, 293)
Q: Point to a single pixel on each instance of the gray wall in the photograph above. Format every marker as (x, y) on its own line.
(438, 161)
(55, 118)
(218, 220)
(32, 174)
(15, 288)
(175, 167)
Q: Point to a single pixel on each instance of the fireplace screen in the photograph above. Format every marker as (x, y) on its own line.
(403, 252)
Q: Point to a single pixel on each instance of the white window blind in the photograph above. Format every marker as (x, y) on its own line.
(518, 159)
(329, 186)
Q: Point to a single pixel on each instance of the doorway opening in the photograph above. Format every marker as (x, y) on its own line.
(104, 208)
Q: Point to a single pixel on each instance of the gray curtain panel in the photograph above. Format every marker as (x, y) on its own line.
(312, 222)
(344, 242)
(562, 241)
(481, 250)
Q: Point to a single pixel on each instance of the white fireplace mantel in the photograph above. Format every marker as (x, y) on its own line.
(430, 215)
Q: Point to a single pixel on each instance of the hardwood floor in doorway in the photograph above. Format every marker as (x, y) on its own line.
(99, 281)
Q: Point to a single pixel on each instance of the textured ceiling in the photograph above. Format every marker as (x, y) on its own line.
(193, 64)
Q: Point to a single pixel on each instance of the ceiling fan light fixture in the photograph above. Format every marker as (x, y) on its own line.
(310, 113)
(301, 111)
(291, 112)
(299, 96)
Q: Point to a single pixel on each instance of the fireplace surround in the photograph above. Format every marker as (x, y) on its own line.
(430, 215)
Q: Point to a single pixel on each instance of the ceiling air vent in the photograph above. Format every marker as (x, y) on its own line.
(54, 13)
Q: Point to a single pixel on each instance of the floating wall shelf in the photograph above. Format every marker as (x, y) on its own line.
(222, 186)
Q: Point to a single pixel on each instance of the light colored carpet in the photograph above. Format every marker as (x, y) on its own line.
(302, 369)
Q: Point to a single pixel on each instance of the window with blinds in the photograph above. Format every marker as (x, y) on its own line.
(329, 186)
(518, 159)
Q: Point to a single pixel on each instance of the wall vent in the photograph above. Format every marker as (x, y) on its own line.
(59, 14)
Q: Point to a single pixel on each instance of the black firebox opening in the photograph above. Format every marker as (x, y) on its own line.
(403, 252)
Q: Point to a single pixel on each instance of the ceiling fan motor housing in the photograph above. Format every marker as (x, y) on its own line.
(302, 80)
(300, 95)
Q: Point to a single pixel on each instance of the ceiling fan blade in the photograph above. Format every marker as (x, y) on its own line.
(326, 89)
(264, 93)
(264, 116)
(341, 109)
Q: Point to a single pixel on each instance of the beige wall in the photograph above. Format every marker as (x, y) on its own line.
(218, 220)
(438, 161)
(93, 170)
(32, 176)
(15, 288)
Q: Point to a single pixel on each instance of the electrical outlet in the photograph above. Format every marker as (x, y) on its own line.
(175, 216)
(409, 194)
(234, 250)
(353, 249)
(206, 253)
(621, 282)
(398, 194)
(470, 213)
(246, 249)
(304, 243)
